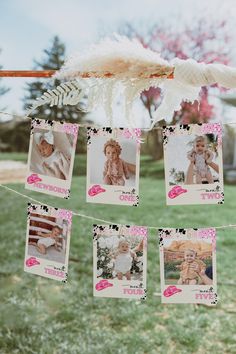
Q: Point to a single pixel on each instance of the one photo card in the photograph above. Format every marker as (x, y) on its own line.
(120, 261)
(48, 242)
(113, 157)
(193, 164)
(51, 157)
(188, 266)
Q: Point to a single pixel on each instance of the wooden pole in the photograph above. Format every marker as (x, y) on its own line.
(50, 73)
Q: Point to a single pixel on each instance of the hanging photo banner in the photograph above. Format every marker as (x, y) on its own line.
(48, 242)
(113, 158)
(188, 265)
(193, 164)
(51, 157)
(120, 261)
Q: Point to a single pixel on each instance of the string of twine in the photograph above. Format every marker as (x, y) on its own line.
(98, 219)
(92, 125)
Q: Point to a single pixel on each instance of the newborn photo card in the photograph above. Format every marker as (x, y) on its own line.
(113, 157)
(120, 261)
(188, 266)
(51, 157)
(48, 242)
(193, 164)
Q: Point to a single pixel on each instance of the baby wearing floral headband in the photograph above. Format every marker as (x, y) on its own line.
(54, 162)
(115, 169)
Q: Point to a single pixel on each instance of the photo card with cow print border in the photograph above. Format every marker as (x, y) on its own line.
(193, 164)
(48, 241)
(51, 157)
(120, 261)
(188, 266)
(113, 158)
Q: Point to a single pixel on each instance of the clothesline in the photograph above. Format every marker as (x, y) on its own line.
(98, 219)
(92, 125)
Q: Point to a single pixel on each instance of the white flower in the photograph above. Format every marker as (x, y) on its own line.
(102, 242)
(110, 265)
(102, 258)
(109, 243)
(99, 272)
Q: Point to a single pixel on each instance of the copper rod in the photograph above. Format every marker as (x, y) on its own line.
(50, 73)
(26, 73)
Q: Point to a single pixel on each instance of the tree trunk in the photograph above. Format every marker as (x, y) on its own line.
(154, 139)
(154, 144)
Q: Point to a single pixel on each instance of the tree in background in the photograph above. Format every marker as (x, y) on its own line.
(3, 89)
(17, 134)
(205, 42)
(54, 58)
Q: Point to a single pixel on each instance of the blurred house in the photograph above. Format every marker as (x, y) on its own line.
(229, 141)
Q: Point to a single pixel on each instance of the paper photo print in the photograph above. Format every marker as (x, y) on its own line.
(188, 265)
(120, 261)
(193, 164)
(48, 242)
(113, 157)
(51, 157)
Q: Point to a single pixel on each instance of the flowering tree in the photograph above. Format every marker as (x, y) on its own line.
(205, 42)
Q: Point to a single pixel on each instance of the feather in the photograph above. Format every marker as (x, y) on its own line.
(119, 58)
(112, 67)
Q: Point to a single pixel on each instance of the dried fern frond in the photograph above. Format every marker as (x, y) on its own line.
(68, 93)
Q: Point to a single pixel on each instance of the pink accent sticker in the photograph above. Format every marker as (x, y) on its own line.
(95, 189)
(32, 261)
(65, 214)
(171, 290)
(176, 191)
(33, 178)
(103, 284)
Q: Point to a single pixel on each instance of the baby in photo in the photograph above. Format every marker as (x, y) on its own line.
(54, 163)
(47, 240)
(200, 156)
(190, 268)
(115, 169)
(123, 260)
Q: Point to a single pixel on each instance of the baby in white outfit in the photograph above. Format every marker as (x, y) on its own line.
(48, 239)
(200, 156)
(55, 163)
(123, 260)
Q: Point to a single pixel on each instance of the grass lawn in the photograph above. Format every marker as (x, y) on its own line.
(39, 315)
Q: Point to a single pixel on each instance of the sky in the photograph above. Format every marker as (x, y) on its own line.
(27, 28)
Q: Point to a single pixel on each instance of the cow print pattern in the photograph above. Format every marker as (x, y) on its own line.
(91, 132)
(167, 131)
(144, 297)
(136, 203)
(222, 198)
(96, 231)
